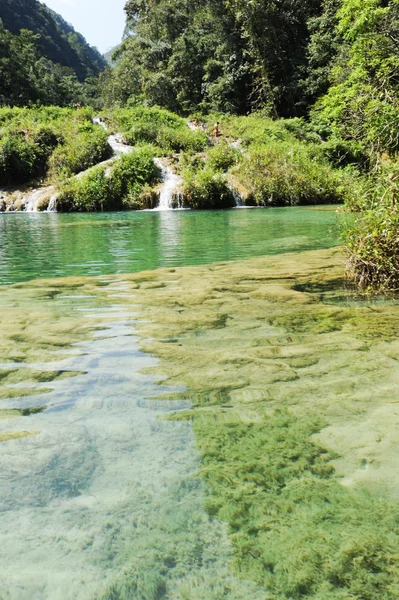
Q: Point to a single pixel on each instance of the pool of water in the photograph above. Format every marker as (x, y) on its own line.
(101, 494)
(58, 245)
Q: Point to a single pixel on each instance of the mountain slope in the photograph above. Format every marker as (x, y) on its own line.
(58, 40)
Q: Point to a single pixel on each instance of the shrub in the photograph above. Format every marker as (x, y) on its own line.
(132, 172)
(142, 132)
(89, 193)
(287, 174)
(29, 136)
(206, 189)
(177, 140)
(126, 118)
(120, 189)
(158, 126)
(82, 150)
(20, 159)
(221, 157)
(372, 236)
(341, 153)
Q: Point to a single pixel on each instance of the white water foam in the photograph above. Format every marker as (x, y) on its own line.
(33, 198)
(170, 181)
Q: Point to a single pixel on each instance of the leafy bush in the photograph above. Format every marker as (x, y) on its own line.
(142, 132)
(122, 188)
(19, 159)
(83, 150)
(221, 157)
(286, 174)
(89, 193)
(177, 140)
(372, 236)
(207, 189)
(34, 140)
(132, 172)
(126, 118)
(255, 129)
(341, 153)
(160, 127)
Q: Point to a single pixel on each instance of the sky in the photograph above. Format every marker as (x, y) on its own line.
(101, 22)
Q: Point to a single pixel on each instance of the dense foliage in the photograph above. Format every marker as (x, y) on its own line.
(360, 111)
(257, 161)
(48, 142)
(43, 59)
(57, 40)
(119, 187)
(227, 55)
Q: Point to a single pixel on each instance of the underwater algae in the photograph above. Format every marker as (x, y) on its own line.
(16, 435)
(292, 386)
(37, 324)
(104, 501)
(281, 380)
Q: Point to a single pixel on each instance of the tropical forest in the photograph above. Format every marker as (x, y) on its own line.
(199, 324)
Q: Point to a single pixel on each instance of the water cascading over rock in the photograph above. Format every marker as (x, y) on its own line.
(170, 182)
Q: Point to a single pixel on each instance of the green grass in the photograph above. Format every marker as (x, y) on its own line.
(157, 126)
(371, 233)
(269, 163)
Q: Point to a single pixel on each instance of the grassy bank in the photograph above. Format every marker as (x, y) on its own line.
(371, 234)
(124, 185)
(260, 161)
(256, 161)
(48, 143)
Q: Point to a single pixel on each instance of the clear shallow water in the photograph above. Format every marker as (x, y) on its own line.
(58, 245)
(104, 501)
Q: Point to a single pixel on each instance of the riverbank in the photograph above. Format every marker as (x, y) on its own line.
(254, 162)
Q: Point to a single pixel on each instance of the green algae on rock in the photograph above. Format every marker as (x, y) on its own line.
(12, 413)
(275, 373)
(16, 435)
(279, 382)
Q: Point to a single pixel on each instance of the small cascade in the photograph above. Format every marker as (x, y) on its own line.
(52, 205)
(32, 199)
(238, 199)
(99, 121)
(114, 140)
(118, 146)
(170, 181)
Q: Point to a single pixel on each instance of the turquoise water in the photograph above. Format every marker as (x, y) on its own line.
(58, 245)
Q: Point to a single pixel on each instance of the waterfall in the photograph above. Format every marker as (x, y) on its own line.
(114, 140)
(118, 146)
(52, 205)
(170, 181)
(33, 198)
(238, 199)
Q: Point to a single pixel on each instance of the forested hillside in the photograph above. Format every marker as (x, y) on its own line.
(58, 41)
(219, 55)
(42, 58)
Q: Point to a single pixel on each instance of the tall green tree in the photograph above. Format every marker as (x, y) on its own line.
(228, 55)
(362, 103)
